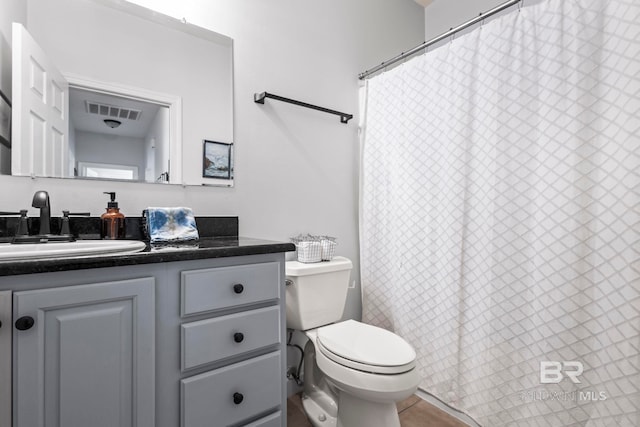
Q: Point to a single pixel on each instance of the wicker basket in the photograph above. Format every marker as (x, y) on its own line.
(310, 249)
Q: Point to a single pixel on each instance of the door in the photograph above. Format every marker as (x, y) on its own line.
(84, 355)
(5, 359)
(40, 111)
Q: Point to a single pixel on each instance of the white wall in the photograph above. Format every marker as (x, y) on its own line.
(102, 148)
(296, 170)
(156, 145)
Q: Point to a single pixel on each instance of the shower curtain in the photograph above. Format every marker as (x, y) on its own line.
(500, 215)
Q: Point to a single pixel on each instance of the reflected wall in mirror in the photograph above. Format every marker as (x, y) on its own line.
(126, 45)
(113, 137)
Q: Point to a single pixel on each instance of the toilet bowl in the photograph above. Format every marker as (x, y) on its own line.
(354, 372)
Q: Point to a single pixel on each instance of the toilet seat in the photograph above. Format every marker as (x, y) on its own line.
(365, 347)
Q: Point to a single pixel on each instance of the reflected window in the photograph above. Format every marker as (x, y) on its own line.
(102, 170)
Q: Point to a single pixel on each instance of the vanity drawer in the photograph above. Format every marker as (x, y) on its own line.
(223, 287)
(231, 394)
(273, 420)
(209, 340)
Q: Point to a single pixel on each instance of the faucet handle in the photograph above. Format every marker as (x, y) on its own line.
(23, 227)
(65, 230)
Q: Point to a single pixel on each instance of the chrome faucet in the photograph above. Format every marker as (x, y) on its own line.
(41, 201)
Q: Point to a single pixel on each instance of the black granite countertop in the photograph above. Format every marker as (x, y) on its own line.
(204, 248)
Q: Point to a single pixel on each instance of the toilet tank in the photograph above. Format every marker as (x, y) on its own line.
(316, 293)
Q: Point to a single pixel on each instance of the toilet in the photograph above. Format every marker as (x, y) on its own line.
(354, 373)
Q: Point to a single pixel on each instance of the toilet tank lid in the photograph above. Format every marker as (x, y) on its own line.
(338, 263)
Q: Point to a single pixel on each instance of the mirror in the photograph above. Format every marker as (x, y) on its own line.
(121, 56)
(112, 137)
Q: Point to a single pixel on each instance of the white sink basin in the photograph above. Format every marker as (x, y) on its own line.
(26, 251)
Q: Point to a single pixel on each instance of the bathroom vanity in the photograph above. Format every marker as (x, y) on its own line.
(186, 336)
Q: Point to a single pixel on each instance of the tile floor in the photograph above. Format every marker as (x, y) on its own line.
(414, 412)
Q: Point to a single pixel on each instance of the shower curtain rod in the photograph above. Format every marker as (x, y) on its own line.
(439, 38)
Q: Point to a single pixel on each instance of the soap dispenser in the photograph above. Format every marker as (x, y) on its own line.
(112, 221)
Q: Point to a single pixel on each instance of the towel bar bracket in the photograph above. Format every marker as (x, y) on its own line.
(260, 97)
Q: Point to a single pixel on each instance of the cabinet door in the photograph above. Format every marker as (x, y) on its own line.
(5, 359)
(88, 359)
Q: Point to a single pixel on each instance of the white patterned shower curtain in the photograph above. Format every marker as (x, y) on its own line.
(500, 215)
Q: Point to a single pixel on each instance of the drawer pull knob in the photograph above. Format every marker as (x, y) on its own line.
(238, 288)
(238, 337)
(238, 398)
(24, 323)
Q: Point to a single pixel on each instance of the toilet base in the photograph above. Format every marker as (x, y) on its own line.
(352, 412)
(317, 416)
(355, 412)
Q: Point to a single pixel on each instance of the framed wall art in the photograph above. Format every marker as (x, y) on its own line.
(217, 160)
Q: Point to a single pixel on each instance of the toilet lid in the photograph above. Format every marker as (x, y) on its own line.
(366, 347)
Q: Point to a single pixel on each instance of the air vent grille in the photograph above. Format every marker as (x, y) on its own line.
(112, 111)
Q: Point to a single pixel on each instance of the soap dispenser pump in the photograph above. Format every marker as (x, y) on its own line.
(112, 221)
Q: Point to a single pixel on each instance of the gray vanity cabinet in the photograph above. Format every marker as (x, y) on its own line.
(84, 355)
(240, 339)
(189, 343)
(5, 358)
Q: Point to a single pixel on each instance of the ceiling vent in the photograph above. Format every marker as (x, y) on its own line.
(112, 111)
